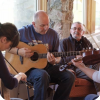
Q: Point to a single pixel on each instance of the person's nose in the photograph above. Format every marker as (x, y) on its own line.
(46, 27)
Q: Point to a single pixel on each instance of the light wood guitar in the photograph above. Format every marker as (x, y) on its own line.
(38, 60)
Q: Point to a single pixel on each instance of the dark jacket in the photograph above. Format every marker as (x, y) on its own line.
(68, 44)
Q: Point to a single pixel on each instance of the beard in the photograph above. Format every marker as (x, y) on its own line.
(76, 36)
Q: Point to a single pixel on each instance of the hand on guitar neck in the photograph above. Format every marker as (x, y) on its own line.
(51, 59)
(76, 62)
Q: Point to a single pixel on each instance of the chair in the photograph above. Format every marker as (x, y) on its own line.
(21, 92)
(81, 88)
(5, 93)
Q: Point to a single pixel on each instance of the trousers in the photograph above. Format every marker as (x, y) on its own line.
(42, 77)
(91, 97)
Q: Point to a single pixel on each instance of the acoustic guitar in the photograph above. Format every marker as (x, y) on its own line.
(38, 60)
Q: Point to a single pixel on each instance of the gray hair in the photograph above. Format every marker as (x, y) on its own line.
(75, 23)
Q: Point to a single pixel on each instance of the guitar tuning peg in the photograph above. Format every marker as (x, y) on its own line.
(83, 49)
(86, 48)
(89, 48)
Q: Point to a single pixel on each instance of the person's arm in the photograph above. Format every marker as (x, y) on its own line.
(89, 72)
(96, 76)
(53, 60)
(24, 52)
(50, 57)
(9, 81)
(21, 76)
(65, 46)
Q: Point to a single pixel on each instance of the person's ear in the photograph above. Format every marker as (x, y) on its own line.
(33, 23)
(4, 40)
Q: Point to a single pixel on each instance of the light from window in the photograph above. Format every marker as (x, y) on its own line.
(97, 23)
(19, 12)
(78, 11)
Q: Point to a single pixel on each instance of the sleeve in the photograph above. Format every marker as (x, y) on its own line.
(9, 81)
(21, 32)
(96, 76)
(54, 41)
(64, 48)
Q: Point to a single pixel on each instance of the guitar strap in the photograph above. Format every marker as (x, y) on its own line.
(28, 93)
(28, 83)
(21, 59)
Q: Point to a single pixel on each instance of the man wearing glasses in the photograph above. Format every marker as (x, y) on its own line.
(77, 42)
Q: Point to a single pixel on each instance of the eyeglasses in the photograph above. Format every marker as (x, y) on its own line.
(74, 28)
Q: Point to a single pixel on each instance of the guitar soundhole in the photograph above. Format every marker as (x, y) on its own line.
(34, 57)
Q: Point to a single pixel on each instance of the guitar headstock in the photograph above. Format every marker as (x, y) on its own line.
(91, 56)
(87, 51)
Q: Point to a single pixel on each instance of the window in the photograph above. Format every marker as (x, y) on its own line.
(78, 10)
(88, 12)
(97, 20)
(19, 12)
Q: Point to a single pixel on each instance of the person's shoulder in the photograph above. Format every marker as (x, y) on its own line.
(52, 30)
(26, 26)
(85, 38)
(65, 39)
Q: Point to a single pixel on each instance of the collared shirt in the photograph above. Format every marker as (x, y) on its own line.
(78, 45)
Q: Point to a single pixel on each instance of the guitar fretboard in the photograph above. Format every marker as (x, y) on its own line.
(62, 54)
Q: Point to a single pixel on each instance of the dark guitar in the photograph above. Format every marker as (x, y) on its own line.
(38, 60)
(64, 67)
(89, 57)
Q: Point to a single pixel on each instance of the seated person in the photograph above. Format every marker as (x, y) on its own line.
(77, 42)
(91, 73)
(36, 33)
(9, 37)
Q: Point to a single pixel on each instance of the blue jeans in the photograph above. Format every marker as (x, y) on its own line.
(41, 78)
(91, 97)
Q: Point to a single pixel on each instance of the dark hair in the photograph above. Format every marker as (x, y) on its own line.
(10, 31)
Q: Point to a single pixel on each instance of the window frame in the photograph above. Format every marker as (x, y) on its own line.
(90, 15)
(42, 5)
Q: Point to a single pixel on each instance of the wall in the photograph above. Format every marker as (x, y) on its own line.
(61, 16)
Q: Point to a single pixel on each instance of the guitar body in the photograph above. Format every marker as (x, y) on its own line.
(28, 63)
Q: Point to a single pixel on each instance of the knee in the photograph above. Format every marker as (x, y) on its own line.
(42, 76)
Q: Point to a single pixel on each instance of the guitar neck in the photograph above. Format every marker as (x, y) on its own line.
(64, 67)
(64, 54)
